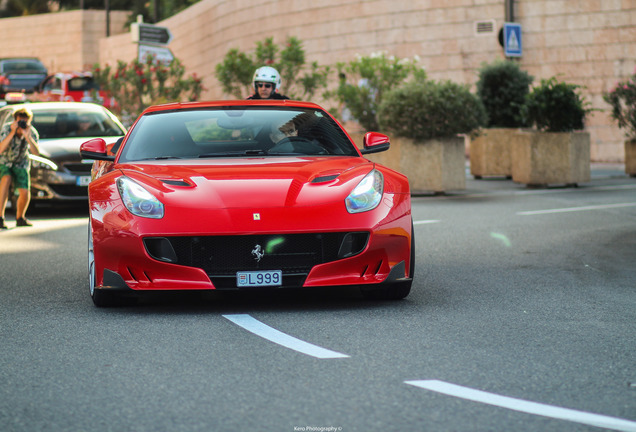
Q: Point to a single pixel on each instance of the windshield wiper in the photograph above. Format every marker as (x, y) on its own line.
(235, 154)
(162, 158)
(288, 154)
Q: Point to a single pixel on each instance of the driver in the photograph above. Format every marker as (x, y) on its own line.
(84, 125)
(286, 130)
(267, 84)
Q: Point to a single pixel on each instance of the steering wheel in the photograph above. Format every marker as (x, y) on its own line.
(298, 144)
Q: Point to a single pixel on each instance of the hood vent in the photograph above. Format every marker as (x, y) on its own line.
(176, 183)
(324, 179)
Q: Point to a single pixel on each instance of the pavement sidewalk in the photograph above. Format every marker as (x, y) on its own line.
(601, 174)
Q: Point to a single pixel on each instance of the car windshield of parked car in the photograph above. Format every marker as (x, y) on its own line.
(66, 123)
(82, 84)
(25, 65)
(236, 132)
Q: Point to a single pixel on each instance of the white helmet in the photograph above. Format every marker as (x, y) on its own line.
(267, 74)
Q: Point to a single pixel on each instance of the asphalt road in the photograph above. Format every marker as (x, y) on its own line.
(522, 318)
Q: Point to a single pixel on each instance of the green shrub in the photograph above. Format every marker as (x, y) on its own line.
(623, 101)
(555, 106)
(138, 85)
(236, 71)
(365, 80)
(502, 88)
(423, 110)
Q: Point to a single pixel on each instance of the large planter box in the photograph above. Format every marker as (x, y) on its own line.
(436, 166)
(551, 158)
(630, 157)
(490, 152)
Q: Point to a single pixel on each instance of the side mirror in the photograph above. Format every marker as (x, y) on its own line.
(113, 148)
(375, 142)
(95, 149)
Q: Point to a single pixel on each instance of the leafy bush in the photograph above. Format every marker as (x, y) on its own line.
(502, 88)
(372, 76)
(236, 71)
(555, 106)
(136, 85)
(623, 101)
(424, 110)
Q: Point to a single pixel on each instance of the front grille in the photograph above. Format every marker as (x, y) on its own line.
(78, 168)
(69, 190)
(221, 257)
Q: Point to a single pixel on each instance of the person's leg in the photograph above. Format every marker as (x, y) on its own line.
(23, 186)
(24, 198)
(5, 182)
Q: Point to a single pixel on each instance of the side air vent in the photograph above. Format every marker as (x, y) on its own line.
(160, 249)
(353, 244)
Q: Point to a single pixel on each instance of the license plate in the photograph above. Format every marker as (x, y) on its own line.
(83, 180)
(259, 278)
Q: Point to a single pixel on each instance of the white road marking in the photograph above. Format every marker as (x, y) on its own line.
(570, 190)
(271, 334)
(526, 406)
(576, 209)
(422, 222)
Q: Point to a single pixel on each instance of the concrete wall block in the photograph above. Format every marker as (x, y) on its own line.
(590, 41)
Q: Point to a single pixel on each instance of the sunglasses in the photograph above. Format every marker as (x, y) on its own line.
(266, 85)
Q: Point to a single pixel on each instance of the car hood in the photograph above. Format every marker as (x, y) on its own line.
(58, 149)
(253, 182)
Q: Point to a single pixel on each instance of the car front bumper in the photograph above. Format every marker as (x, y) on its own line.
(124, 260)
(63, 184)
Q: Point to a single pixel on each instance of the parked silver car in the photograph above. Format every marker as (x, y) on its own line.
(60, 173)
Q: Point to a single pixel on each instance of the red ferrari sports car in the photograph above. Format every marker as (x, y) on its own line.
(231, 195)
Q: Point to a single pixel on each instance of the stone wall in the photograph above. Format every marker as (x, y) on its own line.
(586, 42)
(64, 41)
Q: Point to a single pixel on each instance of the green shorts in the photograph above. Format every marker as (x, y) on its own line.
(20, 176)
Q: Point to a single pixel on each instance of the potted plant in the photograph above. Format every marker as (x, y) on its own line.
(427, 119)
(557, 151)
(623, 101)
(364, 81)
(502, 87)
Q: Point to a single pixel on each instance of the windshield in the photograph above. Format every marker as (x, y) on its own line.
(235, 132)
(82, 84)
(74, 123)
(25, 65)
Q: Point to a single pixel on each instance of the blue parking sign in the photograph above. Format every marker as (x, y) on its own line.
(512, 39)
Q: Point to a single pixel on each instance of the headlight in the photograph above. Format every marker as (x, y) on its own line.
(367, 195)
(138, 200)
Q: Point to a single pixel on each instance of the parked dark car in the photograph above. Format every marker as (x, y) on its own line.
(21, 74)
(60, 174)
